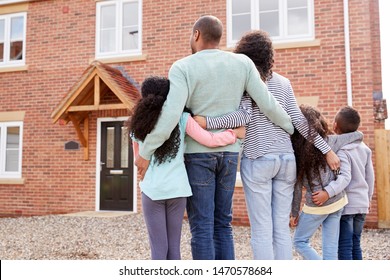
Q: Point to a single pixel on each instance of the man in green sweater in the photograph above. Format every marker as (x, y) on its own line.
(210, 82)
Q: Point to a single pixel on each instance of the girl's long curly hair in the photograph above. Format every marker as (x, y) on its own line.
(145, 115)
(257, 45)
(310, 161)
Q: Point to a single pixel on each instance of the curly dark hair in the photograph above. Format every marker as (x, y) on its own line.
(145, 115)
(257, 45)
(310, 161)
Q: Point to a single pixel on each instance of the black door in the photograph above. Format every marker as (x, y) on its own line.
(116, 172)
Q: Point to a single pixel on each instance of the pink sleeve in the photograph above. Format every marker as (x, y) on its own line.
(207, 138)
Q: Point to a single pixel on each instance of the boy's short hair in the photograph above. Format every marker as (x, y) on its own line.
(347, 119)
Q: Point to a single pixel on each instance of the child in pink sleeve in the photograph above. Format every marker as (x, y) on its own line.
(165, 186)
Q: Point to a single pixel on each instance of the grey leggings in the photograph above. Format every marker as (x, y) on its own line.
(163, 220)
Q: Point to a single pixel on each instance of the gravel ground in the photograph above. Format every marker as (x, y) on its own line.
(122, 238)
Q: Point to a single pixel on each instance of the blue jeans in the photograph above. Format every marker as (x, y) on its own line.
(268, 186)
(212, 178)
(307, 226)
(351, 227)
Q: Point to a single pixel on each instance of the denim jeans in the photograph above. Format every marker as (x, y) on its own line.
(307, 226)
(212, 178)
(351, 227)
(268, 186)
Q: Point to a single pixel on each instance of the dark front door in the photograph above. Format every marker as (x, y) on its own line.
(116, 172)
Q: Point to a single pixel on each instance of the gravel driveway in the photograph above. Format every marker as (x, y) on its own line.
(122, 238)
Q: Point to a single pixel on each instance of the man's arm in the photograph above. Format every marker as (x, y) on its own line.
(170, 114)
(169, 118)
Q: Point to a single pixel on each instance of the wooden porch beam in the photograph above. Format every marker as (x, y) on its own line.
(96, 108)
(80, 134)
(97, 91)
(86, 134)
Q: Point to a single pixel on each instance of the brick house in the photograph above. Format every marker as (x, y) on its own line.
(70, 71)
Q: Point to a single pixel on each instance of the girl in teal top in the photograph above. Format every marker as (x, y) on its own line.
(165, 186)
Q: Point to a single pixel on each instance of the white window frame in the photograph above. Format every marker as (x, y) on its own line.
(3, 140)
(7, 40)
(119, 20)
(255, 23)
(6, 2)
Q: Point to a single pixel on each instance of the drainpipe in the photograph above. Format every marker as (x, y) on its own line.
(347, 53)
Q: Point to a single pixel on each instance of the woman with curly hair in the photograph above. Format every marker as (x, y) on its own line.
(165, 186)
(325, 197)
(268, 169)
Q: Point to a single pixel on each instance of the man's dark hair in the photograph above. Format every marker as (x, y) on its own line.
(347, 119)
(210, 27)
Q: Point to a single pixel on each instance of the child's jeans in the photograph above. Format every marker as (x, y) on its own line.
(351, 227)
(308, 225)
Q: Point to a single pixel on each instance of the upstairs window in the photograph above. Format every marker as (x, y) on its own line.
(119, 31)
(12, 39)
(284, 20)
(11, 149)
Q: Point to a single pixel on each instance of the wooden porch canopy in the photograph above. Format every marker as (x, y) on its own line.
(98, 81)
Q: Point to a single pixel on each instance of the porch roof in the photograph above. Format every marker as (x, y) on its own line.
(87, 94)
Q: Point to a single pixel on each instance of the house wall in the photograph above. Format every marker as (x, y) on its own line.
(61, 44)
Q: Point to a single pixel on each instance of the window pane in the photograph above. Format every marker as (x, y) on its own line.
(240, 24)
(1, 52)
(298, 22)
(130, 14)
(107, 40)
(125, 148)
(107, 29)
(16, 52)
(269, 17)
(241, 18)
(108, 17)
(296, 3)
(12, 149)
(17, 28)
(2, 26)
(270, 23)
(130, 38)
(110, 147)
(267, 5)
(241, 6)
(130, 30)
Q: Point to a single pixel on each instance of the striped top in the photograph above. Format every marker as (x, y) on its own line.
(262, 136)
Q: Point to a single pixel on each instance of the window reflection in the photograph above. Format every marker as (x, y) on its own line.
(12, 149)
(124, 148)
(110, 147)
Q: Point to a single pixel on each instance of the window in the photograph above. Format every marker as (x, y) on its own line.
(11, 149)
(118, 28)
(12, 39)
(284, 20)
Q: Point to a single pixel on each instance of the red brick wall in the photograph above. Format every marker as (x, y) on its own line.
(58, 181)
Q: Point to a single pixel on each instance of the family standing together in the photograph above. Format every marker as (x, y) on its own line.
(286, 151)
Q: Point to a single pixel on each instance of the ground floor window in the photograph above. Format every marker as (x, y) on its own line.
(11, 149)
